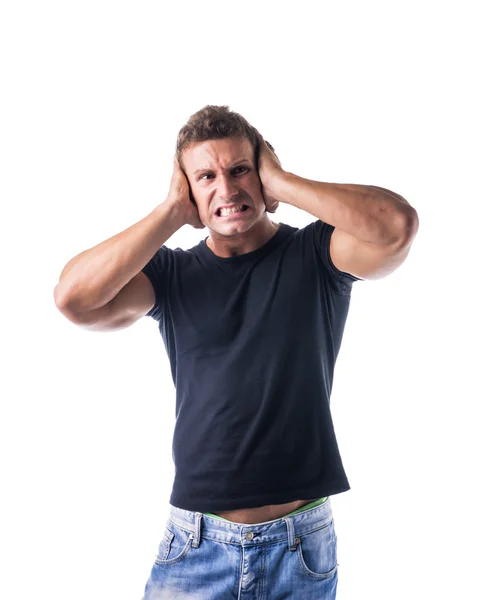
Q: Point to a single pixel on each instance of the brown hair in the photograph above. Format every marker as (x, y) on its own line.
(214, 123)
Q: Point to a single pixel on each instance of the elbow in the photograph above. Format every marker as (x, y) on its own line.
(411, 225)
(65, 303)
(407, 225)
(59, 297)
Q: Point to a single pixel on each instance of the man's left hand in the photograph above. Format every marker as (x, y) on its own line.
(269, 169)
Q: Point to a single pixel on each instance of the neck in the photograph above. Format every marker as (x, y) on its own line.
(242, 243)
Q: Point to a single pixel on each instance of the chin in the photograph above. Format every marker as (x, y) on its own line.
(230, 230)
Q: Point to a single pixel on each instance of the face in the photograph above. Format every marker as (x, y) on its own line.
(222, 173)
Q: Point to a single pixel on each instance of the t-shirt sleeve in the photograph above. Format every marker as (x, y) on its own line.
(157, 270)
(322, 238)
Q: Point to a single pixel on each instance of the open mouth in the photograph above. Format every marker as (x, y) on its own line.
(238, 211)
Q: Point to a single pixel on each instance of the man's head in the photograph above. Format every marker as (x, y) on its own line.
(217, 150)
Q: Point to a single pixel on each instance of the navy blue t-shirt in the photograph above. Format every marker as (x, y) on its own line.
(252, 341)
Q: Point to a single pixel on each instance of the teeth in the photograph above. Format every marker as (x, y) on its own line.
(230, 211)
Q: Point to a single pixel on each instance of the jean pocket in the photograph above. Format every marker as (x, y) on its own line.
(317, 552)
(174, 545)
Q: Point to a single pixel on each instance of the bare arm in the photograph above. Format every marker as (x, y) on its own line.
(374, 227)
(103, 287)
(94, 277)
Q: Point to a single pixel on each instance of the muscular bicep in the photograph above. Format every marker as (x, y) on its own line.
(363, 259)
(131, 303)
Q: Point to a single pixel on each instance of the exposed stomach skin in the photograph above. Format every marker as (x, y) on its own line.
(260, 514)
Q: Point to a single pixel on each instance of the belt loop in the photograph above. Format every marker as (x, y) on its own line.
(197, 535)
(292, 540)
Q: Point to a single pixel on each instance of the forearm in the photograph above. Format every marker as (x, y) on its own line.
(93, 277)
(370, 213)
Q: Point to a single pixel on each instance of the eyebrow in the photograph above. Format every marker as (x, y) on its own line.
(235, 164)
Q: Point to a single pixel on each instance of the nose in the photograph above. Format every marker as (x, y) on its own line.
(226, 187)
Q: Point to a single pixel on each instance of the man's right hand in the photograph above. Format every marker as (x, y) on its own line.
(180, 196)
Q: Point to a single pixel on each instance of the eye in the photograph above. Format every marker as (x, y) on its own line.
(236, 170)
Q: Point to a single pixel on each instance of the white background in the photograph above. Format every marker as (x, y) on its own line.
(93, 95)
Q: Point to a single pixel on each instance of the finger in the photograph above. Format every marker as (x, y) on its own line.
(259, 136)
(176, 164)
(269, 145)
(178, 168)
(272, 208)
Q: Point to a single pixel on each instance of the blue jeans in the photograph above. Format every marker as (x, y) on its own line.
(203, 558)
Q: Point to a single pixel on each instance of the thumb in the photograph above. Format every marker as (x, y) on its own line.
(273, 207)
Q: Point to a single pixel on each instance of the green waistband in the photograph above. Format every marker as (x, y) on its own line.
(305, 507)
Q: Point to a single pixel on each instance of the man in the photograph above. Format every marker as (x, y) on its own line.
(252, 319)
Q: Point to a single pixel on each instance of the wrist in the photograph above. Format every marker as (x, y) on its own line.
(277, 185)
(173, 211)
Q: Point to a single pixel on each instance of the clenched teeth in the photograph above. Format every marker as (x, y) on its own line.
(223, 212)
